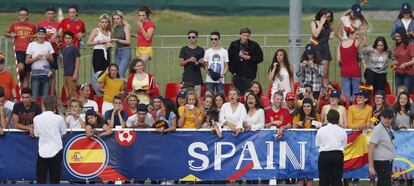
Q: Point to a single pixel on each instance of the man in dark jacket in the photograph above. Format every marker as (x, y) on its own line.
(244, 55)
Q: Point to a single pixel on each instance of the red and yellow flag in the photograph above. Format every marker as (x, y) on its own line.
(356, 151)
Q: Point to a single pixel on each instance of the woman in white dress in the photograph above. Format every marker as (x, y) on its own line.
(281, 73)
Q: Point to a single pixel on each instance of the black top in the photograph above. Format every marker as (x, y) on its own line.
(192, 71)
(26, 115)
(241, 67)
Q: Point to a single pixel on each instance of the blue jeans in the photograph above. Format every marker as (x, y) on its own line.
(122, 58)
(350, 86)
(404, 79)
(215, 87)
(40, 86)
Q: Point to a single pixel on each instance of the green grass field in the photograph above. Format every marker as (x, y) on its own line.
(165, 61)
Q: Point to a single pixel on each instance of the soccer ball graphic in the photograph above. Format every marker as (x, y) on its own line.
(125, 138)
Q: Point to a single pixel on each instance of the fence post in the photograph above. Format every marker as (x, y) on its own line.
(295, 29)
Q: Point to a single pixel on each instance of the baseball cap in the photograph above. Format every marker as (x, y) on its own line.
(310, 49)
(41, 29)
(142, 107)
(334, 94)
(406, 8)
(290, 96)
(182, 94)
(362, 93)
(356, 9)
(380, 92)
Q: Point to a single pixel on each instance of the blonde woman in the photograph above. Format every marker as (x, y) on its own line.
(121, 37)
(100, 39)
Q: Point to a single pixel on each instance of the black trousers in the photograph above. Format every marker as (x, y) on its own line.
(53, 166)
(384, 171)
(98, 60)
(242, 84)
(330, 165)
(377, 80)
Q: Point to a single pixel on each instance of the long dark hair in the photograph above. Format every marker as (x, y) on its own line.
(223, 97)
(117, 68)
(169, 107)
(285, 63)
(324, 11)
(258, 102)
(133, 63)
(404, 40)
(398, 106)
(382, 39)
(99, 120)
(303, 115)
(258, 84)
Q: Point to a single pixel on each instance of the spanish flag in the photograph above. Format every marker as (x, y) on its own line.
(86, 157)
(356, 151)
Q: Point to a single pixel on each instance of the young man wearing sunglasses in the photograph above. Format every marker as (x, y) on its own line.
(216, 62)
(191, 58)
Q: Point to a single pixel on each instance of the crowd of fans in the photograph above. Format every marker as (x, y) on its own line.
(136, 102)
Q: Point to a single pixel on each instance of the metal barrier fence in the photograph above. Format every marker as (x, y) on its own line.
(165, 62)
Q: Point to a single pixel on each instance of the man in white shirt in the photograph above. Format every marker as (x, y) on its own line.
(142, 119)
(216, 61)
(84, 92)
(39, 55)
(331, 140)
(50, 128)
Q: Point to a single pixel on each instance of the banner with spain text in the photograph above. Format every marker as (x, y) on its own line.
(191, 155)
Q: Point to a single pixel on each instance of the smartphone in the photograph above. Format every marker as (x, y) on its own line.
(189, 107)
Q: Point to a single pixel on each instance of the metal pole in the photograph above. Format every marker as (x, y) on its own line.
(295, 29)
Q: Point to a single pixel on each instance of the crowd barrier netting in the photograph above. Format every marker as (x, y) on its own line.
(192, 155)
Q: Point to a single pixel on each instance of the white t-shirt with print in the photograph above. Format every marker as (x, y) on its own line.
(41, 66)
(215, 60)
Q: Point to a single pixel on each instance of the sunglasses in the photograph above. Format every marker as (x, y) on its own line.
(391, 135)
(214, 39)
(192, 37)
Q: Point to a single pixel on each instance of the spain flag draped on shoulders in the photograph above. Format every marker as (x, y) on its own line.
(356, 151)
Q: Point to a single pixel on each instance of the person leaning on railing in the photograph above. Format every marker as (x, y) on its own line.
(94, 121)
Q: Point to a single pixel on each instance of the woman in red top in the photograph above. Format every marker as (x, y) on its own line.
(145, 33)
(404, 56)
(348, 61)
(143, 84)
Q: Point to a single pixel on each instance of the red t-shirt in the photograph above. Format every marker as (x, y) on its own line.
(51, 28)
(404, 55)
(24, 33)
(349, 58)
(8, 83)
(142, 42)
(282, 115)
(75, 27)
